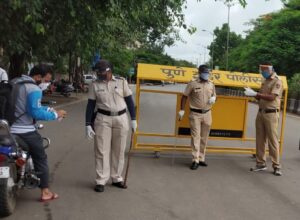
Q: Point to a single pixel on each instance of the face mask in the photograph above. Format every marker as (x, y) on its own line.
(102, 77)
(44, 86)
(204, 76)
(266, 71)
(265, 74)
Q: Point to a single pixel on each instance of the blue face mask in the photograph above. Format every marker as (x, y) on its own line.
(265, 74)
(204, 76)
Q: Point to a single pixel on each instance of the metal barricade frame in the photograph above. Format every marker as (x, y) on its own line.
(220, 78)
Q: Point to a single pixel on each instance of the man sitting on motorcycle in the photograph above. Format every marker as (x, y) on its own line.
(27, 111)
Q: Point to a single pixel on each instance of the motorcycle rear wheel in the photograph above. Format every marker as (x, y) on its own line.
(8, 193)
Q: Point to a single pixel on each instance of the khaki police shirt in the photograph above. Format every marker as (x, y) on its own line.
(110, 95)
(199, 93)
(271, 86)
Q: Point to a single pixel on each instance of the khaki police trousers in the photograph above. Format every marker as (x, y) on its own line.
(200, 127)
(267, 135)
(110, 144)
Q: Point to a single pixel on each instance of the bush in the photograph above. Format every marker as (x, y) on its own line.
(294, 86)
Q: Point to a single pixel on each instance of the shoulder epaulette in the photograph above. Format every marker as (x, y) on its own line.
(276, 76)
(119, 77)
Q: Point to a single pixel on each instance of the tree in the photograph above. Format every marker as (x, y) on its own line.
(294, 85)
(274, 38)
(219, 45)
(51, 29)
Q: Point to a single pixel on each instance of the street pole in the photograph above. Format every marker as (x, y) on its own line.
(204, 54)
(213, 46)
(228, 31)
(212, 52)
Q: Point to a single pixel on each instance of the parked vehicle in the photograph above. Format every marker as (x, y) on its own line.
(16, 168)
(64, 88)
(81, 87)
(88, 78)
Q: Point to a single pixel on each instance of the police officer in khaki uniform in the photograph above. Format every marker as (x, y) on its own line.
(202, 95)
(109, 96)
(267, 118)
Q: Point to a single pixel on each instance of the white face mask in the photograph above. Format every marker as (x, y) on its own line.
(44, 86)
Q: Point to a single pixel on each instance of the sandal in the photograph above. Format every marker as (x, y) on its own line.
(54, 196)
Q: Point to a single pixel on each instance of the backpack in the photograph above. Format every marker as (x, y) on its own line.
(8, 97)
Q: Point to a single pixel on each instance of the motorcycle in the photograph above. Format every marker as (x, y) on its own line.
(65, 88)
(16, 168)
(81, 87)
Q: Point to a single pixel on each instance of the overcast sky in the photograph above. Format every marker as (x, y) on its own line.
(209, 14)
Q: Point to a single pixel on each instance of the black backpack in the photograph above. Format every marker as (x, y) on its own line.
(8, 97)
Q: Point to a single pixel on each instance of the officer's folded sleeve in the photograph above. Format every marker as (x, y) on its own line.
(187, 90)
(127, 91)
(277, 88)
(92, 94)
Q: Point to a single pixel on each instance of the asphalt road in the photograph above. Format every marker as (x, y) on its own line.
(158, 190)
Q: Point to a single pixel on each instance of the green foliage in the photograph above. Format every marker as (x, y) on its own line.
(219, 45)
(56, 31)
(292, 4)
(127, 58)
(275, 38)
(155, 55)
(53, 29)
(242, 2)
(294, 85)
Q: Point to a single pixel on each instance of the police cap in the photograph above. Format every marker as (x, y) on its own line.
(203, 68)
(103, 65)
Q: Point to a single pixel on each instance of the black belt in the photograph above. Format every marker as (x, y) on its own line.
(268, 110)
(201, 111)
(109, 113)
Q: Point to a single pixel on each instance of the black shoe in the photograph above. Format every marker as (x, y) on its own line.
(258, 168)
(203, 164)
(194, 166)
(120, 185)
(99, 188)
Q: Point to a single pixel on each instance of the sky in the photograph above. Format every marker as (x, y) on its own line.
(209, 14)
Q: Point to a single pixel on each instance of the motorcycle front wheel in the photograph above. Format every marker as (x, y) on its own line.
(8, 193)
(66, 94)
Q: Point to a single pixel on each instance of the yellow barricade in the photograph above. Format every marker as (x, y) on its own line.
(229, 113)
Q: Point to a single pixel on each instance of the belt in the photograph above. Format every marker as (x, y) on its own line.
(268, 110)
(201, 111)
(109, 113)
